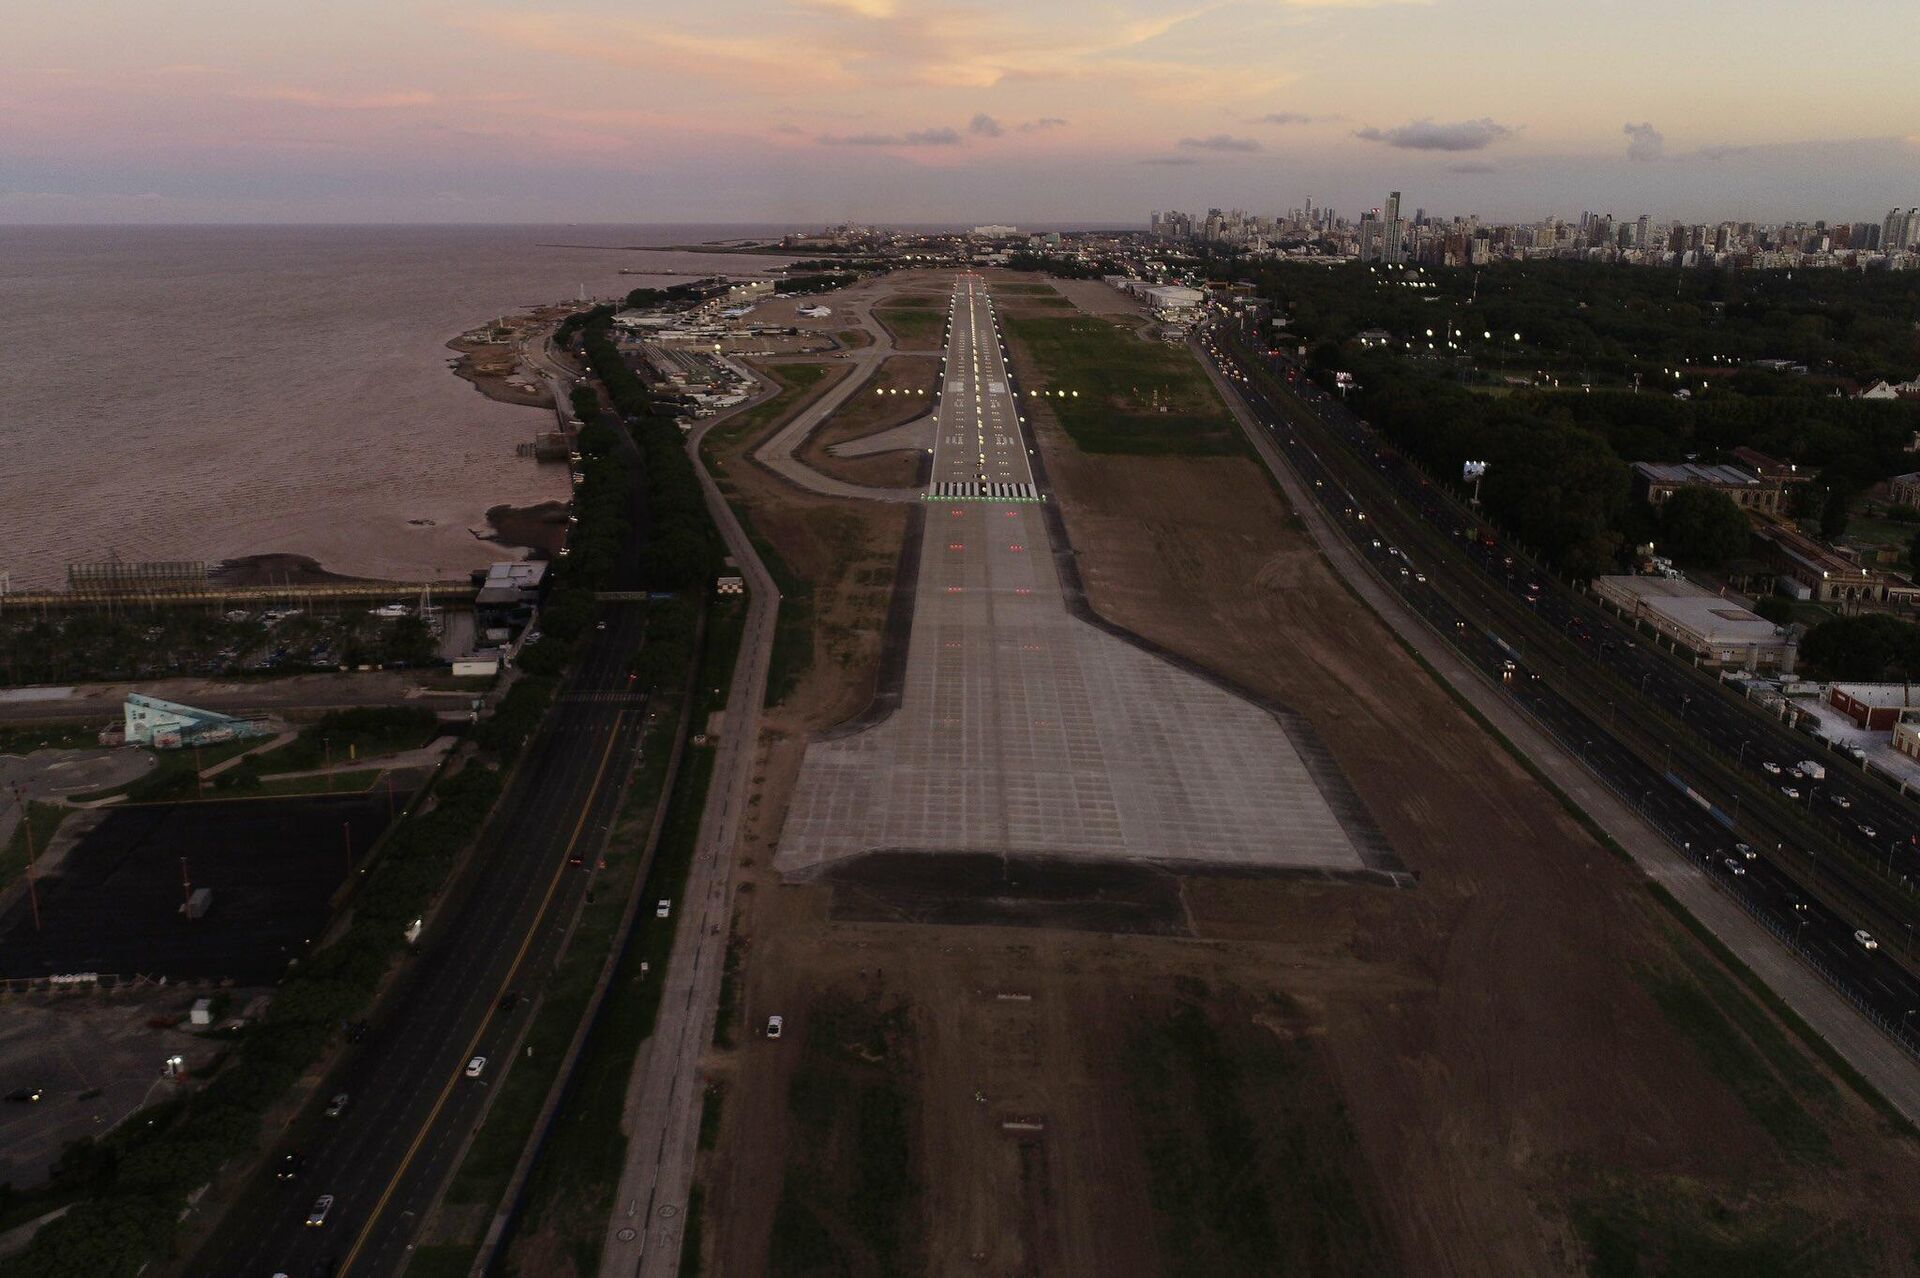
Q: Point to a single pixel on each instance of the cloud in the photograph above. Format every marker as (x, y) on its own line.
(1170, 161)
(1721, 152)
(984, 125)
(1043, 123)
(1220, 142)
(1425, 135)
(788, 128)
(340, 102)
(1644, 142)
(913, 137)
(1473, 166)
(1286, 117)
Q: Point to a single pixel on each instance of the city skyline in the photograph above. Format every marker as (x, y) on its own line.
(825, 110)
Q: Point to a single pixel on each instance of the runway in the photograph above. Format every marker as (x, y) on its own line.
(1024, 729)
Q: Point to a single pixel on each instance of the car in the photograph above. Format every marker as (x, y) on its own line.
(1866, 830)
(26, 1095)
(663, 909)
(1376, 543)
(1746, 850)
(774, 1025)
(289, 1167)
(1865, 938)
(476, 1067)
(337, 1106)
(509, 1000)
(1769, 766)
(321, 1206)
(1420, 577)
(576, 859)
(599, 625)
(1790, 792)
(1842, 802)
(1733, 866)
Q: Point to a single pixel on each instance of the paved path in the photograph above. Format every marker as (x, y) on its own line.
(779, 453)
(663, 1106)
(1888, 1068)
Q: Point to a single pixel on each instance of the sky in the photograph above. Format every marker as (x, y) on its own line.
(806, 112)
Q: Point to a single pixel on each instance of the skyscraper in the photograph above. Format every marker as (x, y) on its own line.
(1392, 243)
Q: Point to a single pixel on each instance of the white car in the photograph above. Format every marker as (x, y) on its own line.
(1769, 765)
(1842, 801)
(1733, 866)
(476, 1067)
(1865, 938)
(1867, 830)
(1746, 850)
(774, 1025)
(663, 909)
(1790, 792)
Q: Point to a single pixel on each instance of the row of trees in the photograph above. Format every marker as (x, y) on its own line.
(678, 548)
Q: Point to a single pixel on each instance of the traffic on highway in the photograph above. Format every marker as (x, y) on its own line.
(1450, 570)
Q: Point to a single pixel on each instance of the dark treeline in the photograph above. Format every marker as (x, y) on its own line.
(1615, 320)
(678, 549)
(1558, 475)
(1063, 268)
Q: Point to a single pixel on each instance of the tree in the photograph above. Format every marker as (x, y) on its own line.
(1913, 554)
(1702, 528)
(1834, 512)
(1872, 647)
(1774, 608)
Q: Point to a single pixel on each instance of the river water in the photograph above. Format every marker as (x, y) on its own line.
(213, 392)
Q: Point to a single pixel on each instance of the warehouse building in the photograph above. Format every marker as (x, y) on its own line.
(1877, 707)
(1717, 630)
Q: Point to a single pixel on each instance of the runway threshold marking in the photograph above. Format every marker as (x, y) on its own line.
(459, 1069)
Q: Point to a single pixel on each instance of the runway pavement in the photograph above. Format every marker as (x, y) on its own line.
(1024, 729)
(411, 1108)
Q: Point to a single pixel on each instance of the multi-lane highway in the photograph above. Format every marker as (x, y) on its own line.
(410, 1105)
(1556, 652)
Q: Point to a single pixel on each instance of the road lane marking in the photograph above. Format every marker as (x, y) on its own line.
(459, 1071)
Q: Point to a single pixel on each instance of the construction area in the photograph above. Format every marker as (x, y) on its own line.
(1513, 1060)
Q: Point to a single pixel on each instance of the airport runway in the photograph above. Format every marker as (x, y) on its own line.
(1025, 729)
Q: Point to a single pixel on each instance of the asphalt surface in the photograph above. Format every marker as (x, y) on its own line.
(411, 1108)
(1470, 593)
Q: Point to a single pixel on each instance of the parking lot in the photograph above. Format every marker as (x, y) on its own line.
(113, 905)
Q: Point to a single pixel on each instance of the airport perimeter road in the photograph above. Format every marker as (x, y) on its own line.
(410, 1106)
(663, 1094)
(1676, 837)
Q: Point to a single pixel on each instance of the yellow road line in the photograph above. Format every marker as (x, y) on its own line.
(453, 1079)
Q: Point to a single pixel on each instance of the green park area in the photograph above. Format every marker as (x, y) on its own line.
(1124, 394)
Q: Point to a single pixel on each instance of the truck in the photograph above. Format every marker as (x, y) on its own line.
(1813, 771)
(198, 902)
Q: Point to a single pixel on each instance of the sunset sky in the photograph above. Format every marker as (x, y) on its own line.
(889, 110)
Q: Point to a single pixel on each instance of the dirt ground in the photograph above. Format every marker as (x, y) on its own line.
(900, 390)
(1484, 1057)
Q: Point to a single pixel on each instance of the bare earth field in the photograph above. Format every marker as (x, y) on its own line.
(1521, 1066)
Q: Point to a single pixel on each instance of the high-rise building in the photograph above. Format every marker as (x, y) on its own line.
(1392, 237)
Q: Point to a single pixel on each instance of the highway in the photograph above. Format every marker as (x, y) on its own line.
(411, 1108)
(1432, 553)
